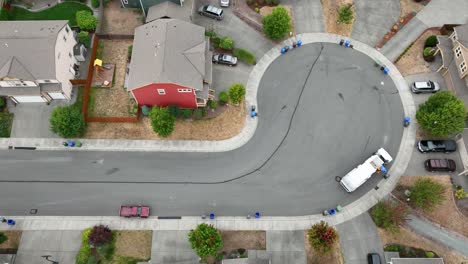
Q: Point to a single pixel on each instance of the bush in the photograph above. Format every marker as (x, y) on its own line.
(460, 194)
(268, 2)
(345, 14)
(205, 240)
(442, 114)
(277, 24)
(427, 194)
(245, 56)
(431, 41)
(250, 2)
(186, 113)
(198, 113)
(236, 93)
(226, 43)
(216, 42)
(162, 121)
(67, 121)
(100, 235)
(212, 104)
(2, 102)
(4, 15)
(392, 248)
(95, 3)
(428, 52)
(83, 254)
(223, 97)
(388, 215)
(275, 2)
(174, 110)
(84, 38)
(210, 34)
(3, 238)
(322, 237)
(145, 110)
(129, 52)
(430, 254)
(85, 20)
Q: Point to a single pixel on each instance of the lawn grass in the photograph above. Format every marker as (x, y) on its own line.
(6, 120)
(63, 11)
(92, 100)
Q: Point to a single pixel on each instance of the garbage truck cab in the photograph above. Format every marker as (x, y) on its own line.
(359, 175)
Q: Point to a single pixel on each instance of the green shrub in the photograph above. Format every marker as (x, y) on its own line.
(186, 113)
(430, 254)
(83, 37)
(345, 14)
(275, 2)
(322, 237)
(442, 114)
(431, 41)
(460, 194)
(277, 24)
(4, 15)
(95, 3)
(427, 194)
(198, 113)
(428, 52)
(210, 34)
(205, 240)
(236, 93)
(129, 52)
(388, 215)
(245, 56)
(83, 254)
(2, 102)
(219, 257)
(226, 43)
(174, 110)
(392, 248)
(216, 42)
(162, 121)
(85, 20)
(145, 110)
(268, 2)
(67, 121)
(3, 238)
(223, 97)
(212, 104)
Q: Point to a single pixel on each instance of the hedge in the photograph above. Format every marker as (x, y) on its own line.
(245, 56)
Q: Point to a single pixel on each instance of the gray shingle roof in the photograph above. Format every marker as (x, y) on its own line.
(168, 51)
(462, 34)
(169, 10)
(445, 45)
(27, 48)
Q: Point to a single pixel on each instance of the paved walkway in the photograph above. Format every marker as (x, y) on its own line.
(358, 237)
(172, 246)
(308, 16)
(373, 19)
(428, 229)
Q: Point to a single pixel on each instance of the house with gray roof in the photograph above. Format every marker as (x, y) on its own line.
(145, 5)
(454, 52)
(37, 60)
(170, 64)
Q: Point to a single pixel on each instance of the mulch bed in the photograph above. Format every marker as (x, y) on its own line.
(395, 28)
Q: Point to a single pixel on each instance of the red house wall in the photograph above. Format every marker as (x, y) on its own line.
(148, 95)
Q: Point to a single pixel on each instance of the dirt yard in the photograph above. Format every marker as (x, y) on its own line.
(409, 238)
(114, 101)
(134, 244)
(446, 214)
(412, 61)
(233, 240)
(408, 6)
(224, 126)
(13, 241)
(334, 257)
(266, 10)
(330, 11)
(119, 20)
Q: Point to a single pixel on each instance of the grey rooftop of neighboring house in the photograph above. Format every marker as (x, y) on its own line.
(168, 51)
(169, 9)
(146, 3)
(417, 261)
(445, 46)
(462, 34)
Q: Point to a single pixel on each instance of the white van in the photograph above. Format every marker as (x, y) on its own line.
(358, 176)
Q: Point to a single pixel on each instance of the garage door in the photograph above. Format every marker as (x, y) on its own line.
(57, 96)
(29, 99)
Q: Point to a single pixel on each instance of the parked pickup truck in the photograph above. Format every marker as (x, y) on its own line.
(141, 211)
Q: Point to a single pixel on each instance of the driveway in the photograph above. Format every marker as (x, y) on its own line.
(416, 165)
(286, 247)
(224, 76)
(170, 247)
(308, 15)
(373, 19)
(61, 245)
(359, 237)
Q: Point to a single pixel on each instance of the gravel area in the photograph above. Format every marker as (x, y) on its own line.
(118, 20)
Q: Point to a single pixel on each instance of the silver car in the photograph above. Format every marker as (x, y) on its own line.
(211, 11)
(224, 3)
(425, 87)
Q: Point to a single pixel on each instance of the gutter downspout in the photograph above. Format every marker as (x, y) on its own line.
(142, 9)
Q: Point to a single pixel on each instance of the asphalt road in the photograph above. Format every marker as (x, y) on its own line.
(323, 109)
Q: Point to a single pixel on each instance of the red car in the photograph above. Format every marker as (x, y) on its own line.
(141, 211)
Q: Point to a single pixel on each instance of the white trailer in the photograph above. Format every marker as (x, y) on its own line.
(358, 176)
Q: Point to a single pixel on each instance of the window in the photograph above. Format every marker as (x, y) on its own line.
(161, 91)
(453, 36)
(184, 90)
(64, 39)
(458, 51)
(463, 67)
(67, 30)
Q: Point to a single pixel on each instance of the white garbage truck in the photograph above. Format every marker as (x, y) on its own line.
(358, 176)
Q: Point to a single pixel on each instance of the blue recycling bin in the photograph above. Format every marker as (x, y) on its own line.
(11, 222)
(347, 43)
(212, 216)
(383, 169)
(332, 211)
(386, 70)
(299, 43)
(71, 143)
(257, 215)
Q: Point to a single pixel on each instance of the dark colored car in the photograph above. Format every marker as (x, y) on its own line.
(437, 146)
(440, 165)
(425, 87)
(373, 258)
(225, 59)
(211, 11)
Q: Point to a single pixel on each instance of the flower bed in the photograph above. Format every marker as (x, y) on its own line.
(395, 28)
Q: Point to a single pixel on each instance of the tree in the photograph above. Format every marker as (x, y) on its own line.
(236, 92)
(277, 24)
(322, 237)
(99, 236)
(389, 215)
(205, 240)
(162, 121)
(226, 43)
(67, 121)
(85, 20)
(83, 37)
(3, 237)
(442, 114)
(95, 3)
(426, 194)
(345, 14)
